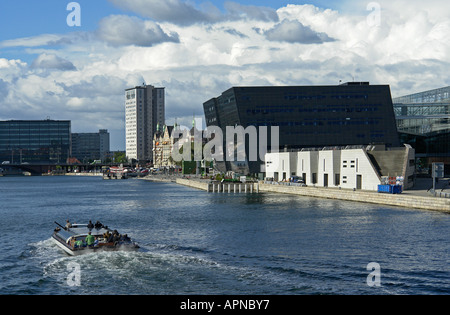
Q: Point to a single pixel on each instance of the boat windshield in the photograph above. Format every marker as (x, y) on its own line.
(65, 235)
(83, 230)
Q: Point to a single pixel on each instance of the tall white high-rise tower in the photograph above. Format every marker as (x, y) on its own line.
(144, 110)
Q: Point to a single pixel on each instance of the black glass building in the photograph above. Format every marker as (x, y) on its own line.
(35, 141)
(354, 113)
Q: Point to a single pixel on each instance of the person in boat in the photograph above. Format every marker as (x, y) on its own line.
(90, 240)
(110, 238)
(68, 225)
(98, 225)
(90, 226)
(125, 238)
(116, 236)
(96, 242)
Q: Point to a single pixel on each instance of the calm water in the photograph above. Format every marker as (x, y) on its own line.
(199, 243)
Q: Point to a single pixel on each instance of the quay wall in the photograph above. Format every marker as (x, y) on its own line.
(193, 183)
(401, 200)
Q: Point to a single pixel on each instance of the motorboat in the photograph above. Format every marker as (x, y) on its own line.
(73, 239)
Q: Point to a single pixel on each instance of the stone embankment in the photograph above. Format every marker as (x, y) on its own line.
(405, 200)
(402, 200)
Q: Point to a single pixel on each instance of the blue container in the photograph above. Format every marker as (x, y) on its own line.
(390, 189)
(396, 189)
(384, 189)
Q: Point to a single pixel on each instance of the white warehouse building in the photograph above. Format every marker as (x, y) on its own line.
(351, 168)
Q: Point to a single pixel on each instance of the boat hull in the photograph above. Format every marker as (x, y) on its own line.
(86, 250)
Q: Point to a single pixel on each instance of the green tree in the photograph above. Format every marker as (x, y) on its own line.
(120, 157)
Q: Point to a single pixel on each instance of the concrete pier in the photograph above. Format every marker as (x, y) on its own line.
(219, 187)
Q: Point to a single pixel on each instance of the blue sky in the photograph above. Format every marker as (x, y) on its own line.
(27, 18)
(197, 49)
(30, 17)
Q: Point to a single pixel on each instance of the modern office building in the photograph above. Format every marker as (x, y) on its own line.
(354, 113)
(144, 110)
(423, 121)
(91, 146)
(35, 141)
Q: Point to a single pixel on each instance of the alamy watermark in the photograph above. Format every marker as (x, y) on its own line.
(210, 145)
(374, 277)
(374, 17)
(74, 276)
(74, 17)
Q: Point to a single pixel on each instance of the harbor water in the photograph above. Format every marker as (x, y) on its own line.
(194, 242)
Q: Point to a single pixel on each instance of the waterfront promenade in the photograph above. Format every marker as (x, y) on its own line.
(417, 198)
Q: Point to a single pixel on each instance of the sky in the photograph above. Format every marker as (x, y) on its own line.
(74, 62)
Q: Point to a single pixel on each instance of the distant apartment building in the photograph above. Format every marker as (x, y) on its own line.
(144, 110)
(91, 146)
(35, 141)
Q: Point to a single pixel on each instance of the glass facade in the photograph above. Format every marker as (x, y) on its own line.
(422, 118)
(423, 121)
(310, 116)
(87, 147)
(35, 142)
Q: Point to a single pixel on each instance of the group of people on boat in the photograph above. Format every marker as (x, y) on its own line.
(90, 225)
(114, 238)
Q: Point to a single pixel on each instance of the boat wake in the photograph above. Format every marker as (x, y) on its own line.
(154, 269)
(161, 269)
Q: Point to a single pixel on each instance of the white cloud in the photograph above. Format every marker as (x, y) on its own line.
(125, 30)
(50, 61)
(174, 11)
(198, 57)
(236, 10)
(40, 40)
(185, 13)
(296, 32)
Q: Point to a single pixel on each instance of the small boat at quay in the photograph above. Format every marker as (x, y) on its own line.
(77, 239)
